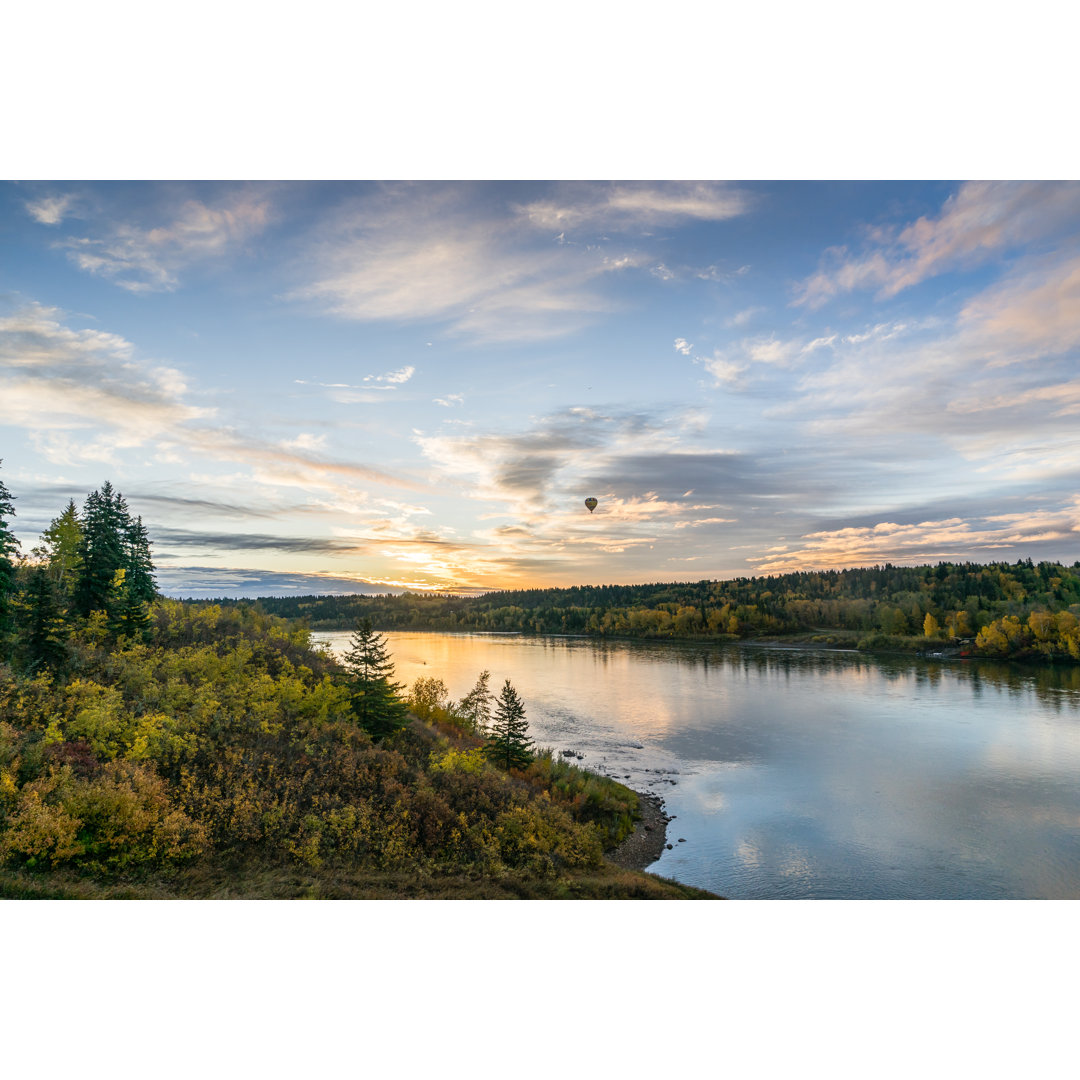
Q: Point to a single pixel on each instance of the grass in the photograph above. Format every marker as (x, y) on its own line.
(254, 882)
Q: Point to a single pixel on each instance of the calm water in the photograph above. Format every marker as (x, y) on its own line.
(808, 774)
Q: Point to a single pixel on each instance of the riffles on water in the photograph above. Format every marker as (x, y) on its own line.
(808, 774)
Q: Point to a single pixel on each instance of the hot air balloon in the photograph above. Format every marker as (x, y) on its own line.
(590, 502)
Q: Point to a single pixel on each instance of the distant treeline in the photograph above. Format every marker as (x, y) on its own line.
(1021, 609)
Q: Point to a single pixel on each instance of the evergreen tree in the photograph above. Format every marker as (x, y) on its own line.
(9, 547)
(476, 704)
(129, 616)
(101, 549)
(112, 541)
(509, 744)
(44, 631)
(375, 702)
(140, 566)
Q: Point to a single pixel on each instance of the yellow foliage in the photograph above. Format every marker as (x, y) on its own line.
(466, 761)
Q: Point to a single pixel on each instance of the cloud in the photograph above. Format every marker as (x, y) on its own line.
(724, 371)
(594, 205)
(56, 382)
(741, 318)
(994, 389)
(450, 400)
(393, 378)
(142, 259)
(201, 582)
(924, 542)
(50, 210)
(305, 441)
(728, 365)
(234, 541)
(980, 221)
(683, 346)
(459, 254)
(528, 470)
(1032, 313)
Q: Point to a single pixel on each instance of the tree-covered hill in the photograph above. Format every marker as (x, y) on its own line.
(151, 748)
(1016, 609)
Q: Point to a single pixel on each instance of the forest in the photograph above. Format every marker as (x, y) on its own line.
(1023, 611)
(151, 748)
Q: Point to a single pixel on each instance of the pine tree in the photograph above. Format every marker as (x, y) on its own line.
(140, 566)
(112, 541)
(375, 702)
(9, 547)
(129, 616)
(101, 549)
(44, 631)
(508, 743)
(476, 704)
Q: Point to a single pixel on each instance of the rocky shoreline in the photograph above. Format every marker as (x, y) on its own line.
(647, 842)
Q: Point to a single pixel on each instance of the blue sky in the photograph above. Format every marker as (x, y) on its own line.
(325, 387)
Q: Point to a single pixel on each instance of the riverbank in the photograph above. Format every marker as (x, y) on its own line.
(647, 842)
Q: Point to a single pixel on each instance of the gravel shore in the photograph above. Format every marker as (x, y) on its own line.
(646, 843)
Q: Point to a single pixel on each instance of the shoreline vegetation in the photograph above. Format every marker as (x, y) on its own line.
(1018, 611)
(154, 749)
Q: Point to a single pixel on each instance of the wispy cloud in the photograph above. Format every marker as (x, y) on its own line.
(981, 221)
(197, 582)
(150, 258)
(741, 318)
(50, 210)
(56, 381)
(683, 346)
(490, 271)
(635, 205)
(922, 542)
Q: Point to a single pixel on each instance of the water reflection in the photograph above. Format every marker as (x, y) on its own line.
(810, 773)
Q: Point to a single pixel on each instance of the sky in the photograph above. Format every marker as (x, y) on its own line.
(370, 387)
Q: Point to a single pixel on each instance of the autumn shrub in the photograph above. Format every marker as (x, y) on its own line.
(543, 839)
(119, 820)
(610, 806)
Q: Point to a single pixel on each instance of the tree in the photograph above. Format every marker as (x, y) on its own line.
(509, 744)
(61, 547)
(128, 615)
(44, 632)
(105, 525)
(476, 704)
(140, 566)
(427, 696)
(9, 547)
(374, 697)
(112, 541)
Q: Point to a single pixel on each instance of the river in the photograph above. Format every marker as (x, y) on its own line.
(804, 774)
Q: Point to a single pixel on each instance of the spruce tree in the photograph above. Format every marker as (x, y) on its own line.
(140, 567)
(9, 548)
(101, 549)
(509, 744)
(129, 616)
(375, 702)
(44, 632)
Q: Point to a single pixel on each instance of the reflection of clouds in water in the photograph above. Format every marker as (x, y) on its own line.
(795, 864)
(1029, 745)
(721, 744)
(748, 854)
(809, 774)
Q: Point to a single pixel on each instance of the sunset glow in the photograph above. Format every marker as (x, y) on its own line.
(337, 387)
